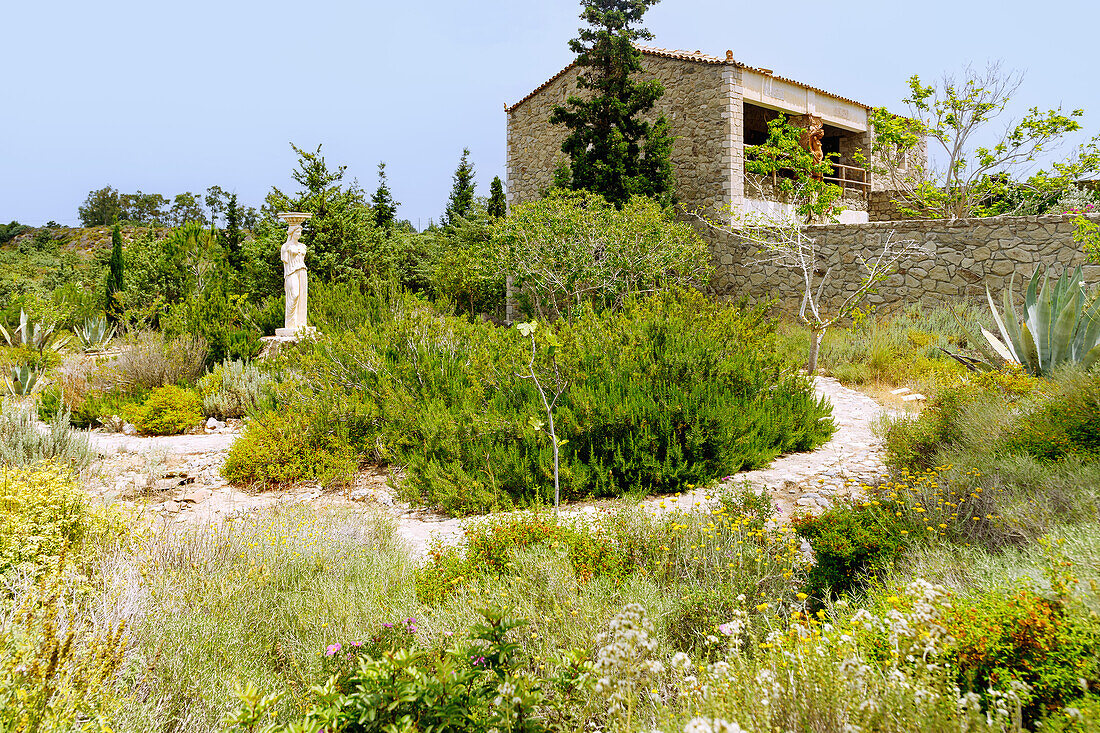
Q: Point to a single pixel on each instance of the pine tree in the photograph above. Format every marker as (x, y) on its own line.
(497, 205)
(232, 233)
(111, 305)
(382, 203)
(612, 150)
(462, 192)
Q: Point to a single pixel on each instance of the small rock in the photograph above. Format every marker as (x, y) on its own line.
(197, 496)
(170, 507)
(806, 501)
(214, 424)
(128, 429)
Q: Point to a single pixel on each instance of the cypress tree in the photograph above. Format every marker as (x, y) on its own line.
(233, 233)
(111, 305)
(382, 203)
(612, 151)
(462, 192)
(497, 205)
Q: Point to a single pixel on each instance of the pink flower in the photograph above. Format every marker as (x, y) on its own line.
(727, 629)
(331, 649)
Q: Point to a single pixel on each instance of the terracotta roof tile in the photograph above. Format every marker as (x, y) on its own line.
(698, 57)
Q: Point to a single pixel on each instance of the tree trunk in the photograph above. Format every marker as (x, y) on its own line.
(815, 344)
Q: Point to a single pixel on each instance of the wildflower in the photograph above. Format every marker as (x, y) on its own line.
(332, 649)
(712, 725)
(681, 661)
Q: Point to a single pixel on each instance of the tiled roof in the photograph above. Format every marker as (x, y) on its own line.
(697, 57)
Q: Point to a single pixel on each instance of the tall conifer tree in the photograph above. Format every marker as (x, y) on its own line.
(233, 233)
(612, 150)
(382, 203)
(111, 305)
(461, 200)
(498, 204)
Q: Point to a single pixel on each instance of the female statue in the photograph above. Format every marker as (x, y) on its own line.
(293, 255)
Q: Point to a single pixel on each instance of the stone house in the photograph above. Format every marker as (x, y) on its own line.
(715, 107)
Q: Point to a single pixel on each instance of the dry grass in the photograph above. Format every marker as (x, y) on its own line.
(150, 360)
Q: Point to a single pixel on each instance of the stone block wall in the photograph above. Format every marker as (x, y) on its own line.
(701, 103)
(881, 206)
(959, 259)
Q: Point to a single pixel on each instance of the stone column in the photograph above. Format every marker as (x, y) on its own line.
(734, 145)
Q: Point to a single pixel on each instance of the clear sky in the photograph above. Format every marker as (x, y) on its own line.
(169, 97)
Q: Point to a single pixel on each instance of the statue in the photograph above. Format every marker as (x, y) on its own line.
(812, 136)
(293, 255)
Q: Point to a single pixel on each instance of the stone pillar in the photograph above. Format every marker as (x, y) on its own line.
(733, 187)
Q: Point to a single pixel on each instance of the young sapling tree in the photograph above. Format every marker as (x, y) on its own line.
(555, 386)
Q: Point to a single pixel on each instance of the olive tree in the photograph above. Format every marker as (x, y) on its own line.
(575, 248)
(974, 170)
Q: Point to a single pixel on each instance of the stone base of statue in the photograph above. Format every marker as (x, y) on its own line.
(293, 334)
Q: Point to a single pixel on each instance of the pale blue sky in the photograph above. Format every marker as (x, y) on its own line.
(167, 97)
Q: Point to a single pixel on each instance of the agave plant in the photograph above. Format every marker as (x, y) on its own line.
(1060, 325)
(94, 335)
(39, 336)
(22, 381)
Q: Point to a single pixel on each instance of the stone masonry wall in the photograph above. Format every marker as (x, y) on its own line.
(960, 259)
(701, 113)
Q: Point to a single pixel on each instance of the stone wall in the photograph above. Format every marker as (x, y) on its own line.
(705, 120)
(881, 206)
(960, 259)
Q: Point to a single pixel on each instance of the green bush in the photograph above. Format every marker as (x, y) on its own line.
(490, 546)
(1064, 422)
(23, 443)
(667, 391)
(474, 689)
(850, 543)
(169, 411)
(279, 447)
(233, 389)
(43, 512)
(1018, 634)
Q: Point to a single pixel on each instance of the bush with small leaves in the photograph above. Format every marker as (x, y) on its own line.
(23, 441)
(169, 411)
(233, 389)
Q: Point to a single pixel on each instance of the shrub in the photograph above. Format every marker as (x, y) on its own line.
(57, 669)
(169, 411)
(232, 390)
(92, 408)
(1065, 422)
(43, 511)
(998, 461)
(1017, 634)
(220, 320)
(150, 360)
(668, 391)
(280, 447)
(23, 441)
(475, 689)
(850, 543)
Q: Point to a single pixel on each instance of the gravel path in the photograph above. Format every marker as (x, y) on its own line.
(178, 478)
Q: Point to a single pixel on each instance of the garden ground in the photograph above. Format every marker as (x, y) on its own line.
(177, 479)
